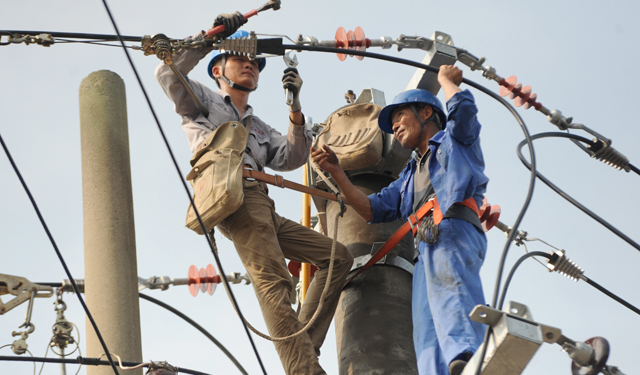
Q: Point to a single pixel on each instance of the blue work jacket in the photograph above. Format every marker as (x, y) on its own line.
(456, 171)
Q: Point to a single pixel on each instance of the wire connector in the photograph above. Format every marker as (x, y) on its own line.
(564, 266)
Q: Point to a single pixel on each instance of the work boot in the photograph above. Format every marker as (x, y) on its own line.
(456, 366)
(459, 362)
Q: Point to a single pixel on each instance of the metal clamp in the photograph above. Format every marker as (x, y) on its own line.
(515, 340)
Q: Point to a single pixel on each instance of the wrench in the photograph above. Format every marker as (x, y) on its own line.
(291, 63)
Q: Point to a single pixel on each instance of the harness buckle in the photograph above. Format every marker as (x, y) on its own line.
(248, 168)
(275, 177)
(413, 223)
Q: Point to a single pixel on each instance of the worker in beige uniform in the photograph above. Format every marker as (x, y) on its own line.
(262, 238)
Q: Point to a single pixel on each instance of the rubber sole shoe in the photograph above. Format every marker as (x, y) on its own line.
(456, 367)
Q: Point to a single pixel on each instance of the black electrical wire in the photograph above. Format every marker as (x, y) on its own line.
(186, 188)
(608, 293)
(198, 327)
(513, 271)
(62, 261)
(86, 361)
(565, 195)
(583, 277)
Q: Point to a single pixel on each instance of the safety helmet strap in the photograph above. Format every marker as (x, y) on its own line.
(230, 82)
(414, 109)
(433, 116)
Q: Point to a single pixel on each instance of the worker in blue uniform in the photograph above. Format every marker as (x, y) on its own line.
(448, 167)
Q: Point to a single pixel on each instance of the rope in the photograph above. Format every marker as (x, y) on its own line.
(320, 303)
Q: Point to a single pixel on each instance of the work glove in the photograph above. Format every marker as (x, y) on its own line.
(231, 22)
(291, 80)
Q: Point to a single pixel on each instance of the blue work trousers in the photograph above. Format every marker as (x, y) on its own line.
(446, 287)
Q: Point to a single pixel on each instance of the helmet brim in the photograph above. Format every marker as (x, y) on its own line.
(217, 55)
(384, 118)
(261, 64)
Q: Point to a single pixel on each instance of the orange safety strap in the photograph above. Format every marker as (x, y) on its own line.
(410, 225)
(437, 213)
(280, 182)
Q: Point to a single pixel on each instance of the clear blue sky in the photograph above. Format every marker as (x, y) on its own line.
(579, 56)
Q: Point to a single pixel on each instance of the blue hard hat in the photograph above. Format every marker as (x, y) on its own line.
(418, 96)
(216, 55)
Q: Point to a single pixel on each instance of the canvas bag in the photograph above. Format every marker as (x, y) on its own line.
(352, 132)
(216, 176)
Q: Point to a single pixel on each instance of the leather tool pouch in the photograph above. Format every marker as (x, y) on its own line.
(216, 176)
(353, 134)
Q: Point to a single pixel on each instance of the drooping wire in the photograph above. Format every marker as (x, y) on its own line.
(186, 188)
(62, 261)
(45, 356)
(567, 196)
(87, 362)
(198, 327)
(513, 271)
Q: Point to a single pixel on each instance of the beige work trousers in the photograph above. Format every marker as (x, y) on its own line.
(263, 239)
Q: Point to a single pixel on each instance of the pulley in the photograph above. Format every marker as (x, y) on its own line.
(61, 328)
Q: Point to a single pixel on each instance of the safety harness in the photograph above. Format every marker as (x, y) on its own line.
(411, 225)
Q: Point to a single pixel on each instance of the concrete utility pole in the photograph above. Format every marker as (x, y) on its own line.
(111, 272)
